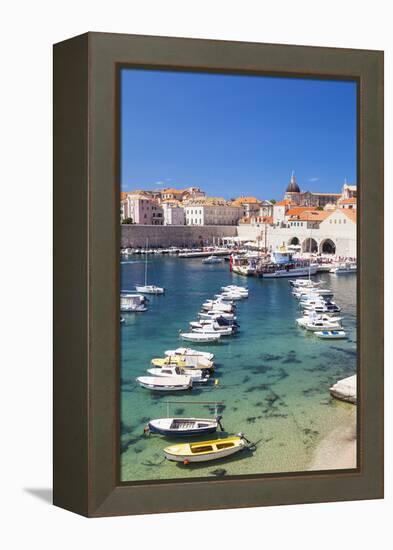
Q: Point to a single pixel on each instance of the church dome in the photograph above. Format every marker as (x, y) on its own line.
(292, 185)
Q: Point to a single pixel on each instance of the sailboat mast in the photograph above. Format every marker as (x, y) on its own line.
(147, 242)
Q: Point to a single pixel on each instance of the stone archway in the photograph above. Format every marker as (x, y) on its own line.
(294, 241)
(327, 246)
(310, 245)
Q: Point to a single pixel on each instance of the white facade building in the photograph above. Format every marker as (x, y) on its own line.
(212, 214)
(173, 214)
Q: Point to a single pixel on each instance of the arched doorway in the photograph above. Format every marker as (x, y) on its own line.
(310, 245)
(327, 247)
(294, 241)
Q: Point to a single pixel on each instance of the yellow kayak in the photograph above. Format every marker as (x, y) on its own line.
(206, 450)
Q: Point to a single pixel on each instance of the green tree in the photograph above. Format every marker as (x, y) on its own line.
(273, 201)
(127, 221)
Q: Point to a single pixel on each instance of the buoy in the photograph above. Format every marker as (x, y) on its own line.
(216, 382)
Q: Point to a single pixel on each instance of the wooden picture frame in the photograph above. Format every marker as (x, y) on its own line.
(86, 274)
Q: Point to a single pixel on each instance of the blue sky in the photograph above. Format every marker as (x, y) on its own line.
(236, 135)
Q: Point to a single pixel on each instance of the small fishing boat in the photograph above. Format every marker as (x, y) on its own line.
(203, 451)
(323, 307)
(215, 329)
(220, 321)
(331, 334)
(190, 353)
(196, 375)
(302, 283)
(184, 361)
(312, 316)
(212, 260)
(217, 305)
(163, 383)
(230, 296)
(180, 427)
(235, 288)
(203, 338)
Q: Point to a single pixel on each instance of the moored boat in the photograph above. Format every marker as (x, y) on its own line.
(180, 427)
(203, 338)
(212, 260)
(170, 383)
(132, 303)
(203, 451)
(331, 334)
(196, 375)
(189, 352)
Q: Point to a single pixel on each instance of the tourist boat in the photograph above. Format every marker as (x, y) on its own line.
(196, 375)
(214, 314)
(284, 265)
(343, 268)
(184, 361)
(148, 289)
(180, 427)
(164, 383)
(203, 451)
(188, 352)
(212, 260)
(331, 334)
(315, 326)
(203, 338)
(132, 302)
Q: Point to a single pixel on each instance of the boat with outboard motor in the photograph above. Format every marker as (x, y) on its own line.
(331, 334)
(188, 352)
(163, 383)
(180, 427)
(203, 451)
(202, 338)
(214, 314)
(184, 361)
(196, 375)
(314, 326)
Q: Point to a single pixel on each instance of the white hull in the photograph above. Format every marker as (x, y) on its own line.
(174, 383)
(200, 338)
(331, 335)
(190, 352)
(150, 289)
(296, 272)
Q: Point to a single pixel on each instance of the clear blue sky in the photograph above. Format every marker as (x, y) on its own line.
(236, 135)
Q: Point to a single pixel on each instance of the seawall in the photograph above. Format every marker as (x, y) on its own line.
(134, 236)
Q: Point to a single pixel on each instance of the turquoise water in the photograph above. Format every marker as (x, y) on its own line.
(274, 377)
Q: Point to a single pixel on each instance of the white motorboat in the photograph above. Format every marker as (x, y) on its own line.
(221, 321)
(203, 338)
(132, 303)
(302, 283)
(218, 306)
(236, 288)
(343, 268)
(193, 362)
(196, 375)
(331, 334)
(214, 314)
(215, 329)
(163, 383)
(212, 260)
(148, 289)
(315, 326)
(323, 307)
(306, 319)
(188, 352)
(231, 296)
(304, 294)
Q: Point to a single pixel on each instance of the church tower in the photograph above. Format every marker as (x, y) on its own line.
(293, 192)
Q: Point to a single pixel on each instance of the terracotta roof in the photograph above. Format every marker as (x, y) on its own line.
(285, 202)
(296, 210)
(352, 200)
(350, 213)
(308, 216)
(246, 200)
(172, 191)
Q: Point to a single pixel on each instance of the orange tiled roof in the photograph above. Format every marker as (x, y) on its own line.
(285, 202)
(350, 213)
(352, 200)
(246, 200)
(296, 210)
(173, 191)
(309, 216)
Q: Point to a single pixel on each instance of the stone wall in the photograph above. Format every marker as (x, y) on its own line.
(134, 236)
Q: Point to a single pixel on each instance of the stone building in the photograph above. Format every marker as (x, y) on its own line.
(308, 198)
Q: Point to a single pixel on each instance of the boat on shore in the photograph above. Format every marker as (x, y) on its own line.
(203, 451)
(163, 383)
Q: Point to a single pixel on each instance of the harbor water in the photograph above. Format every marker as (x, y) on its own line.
(273, 377)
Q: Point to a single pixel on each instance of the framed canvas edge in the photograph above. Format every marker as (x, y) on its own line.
(104, 495)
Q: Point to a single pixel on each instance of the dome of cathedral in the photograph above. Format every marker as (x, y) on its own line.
(292, 185)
